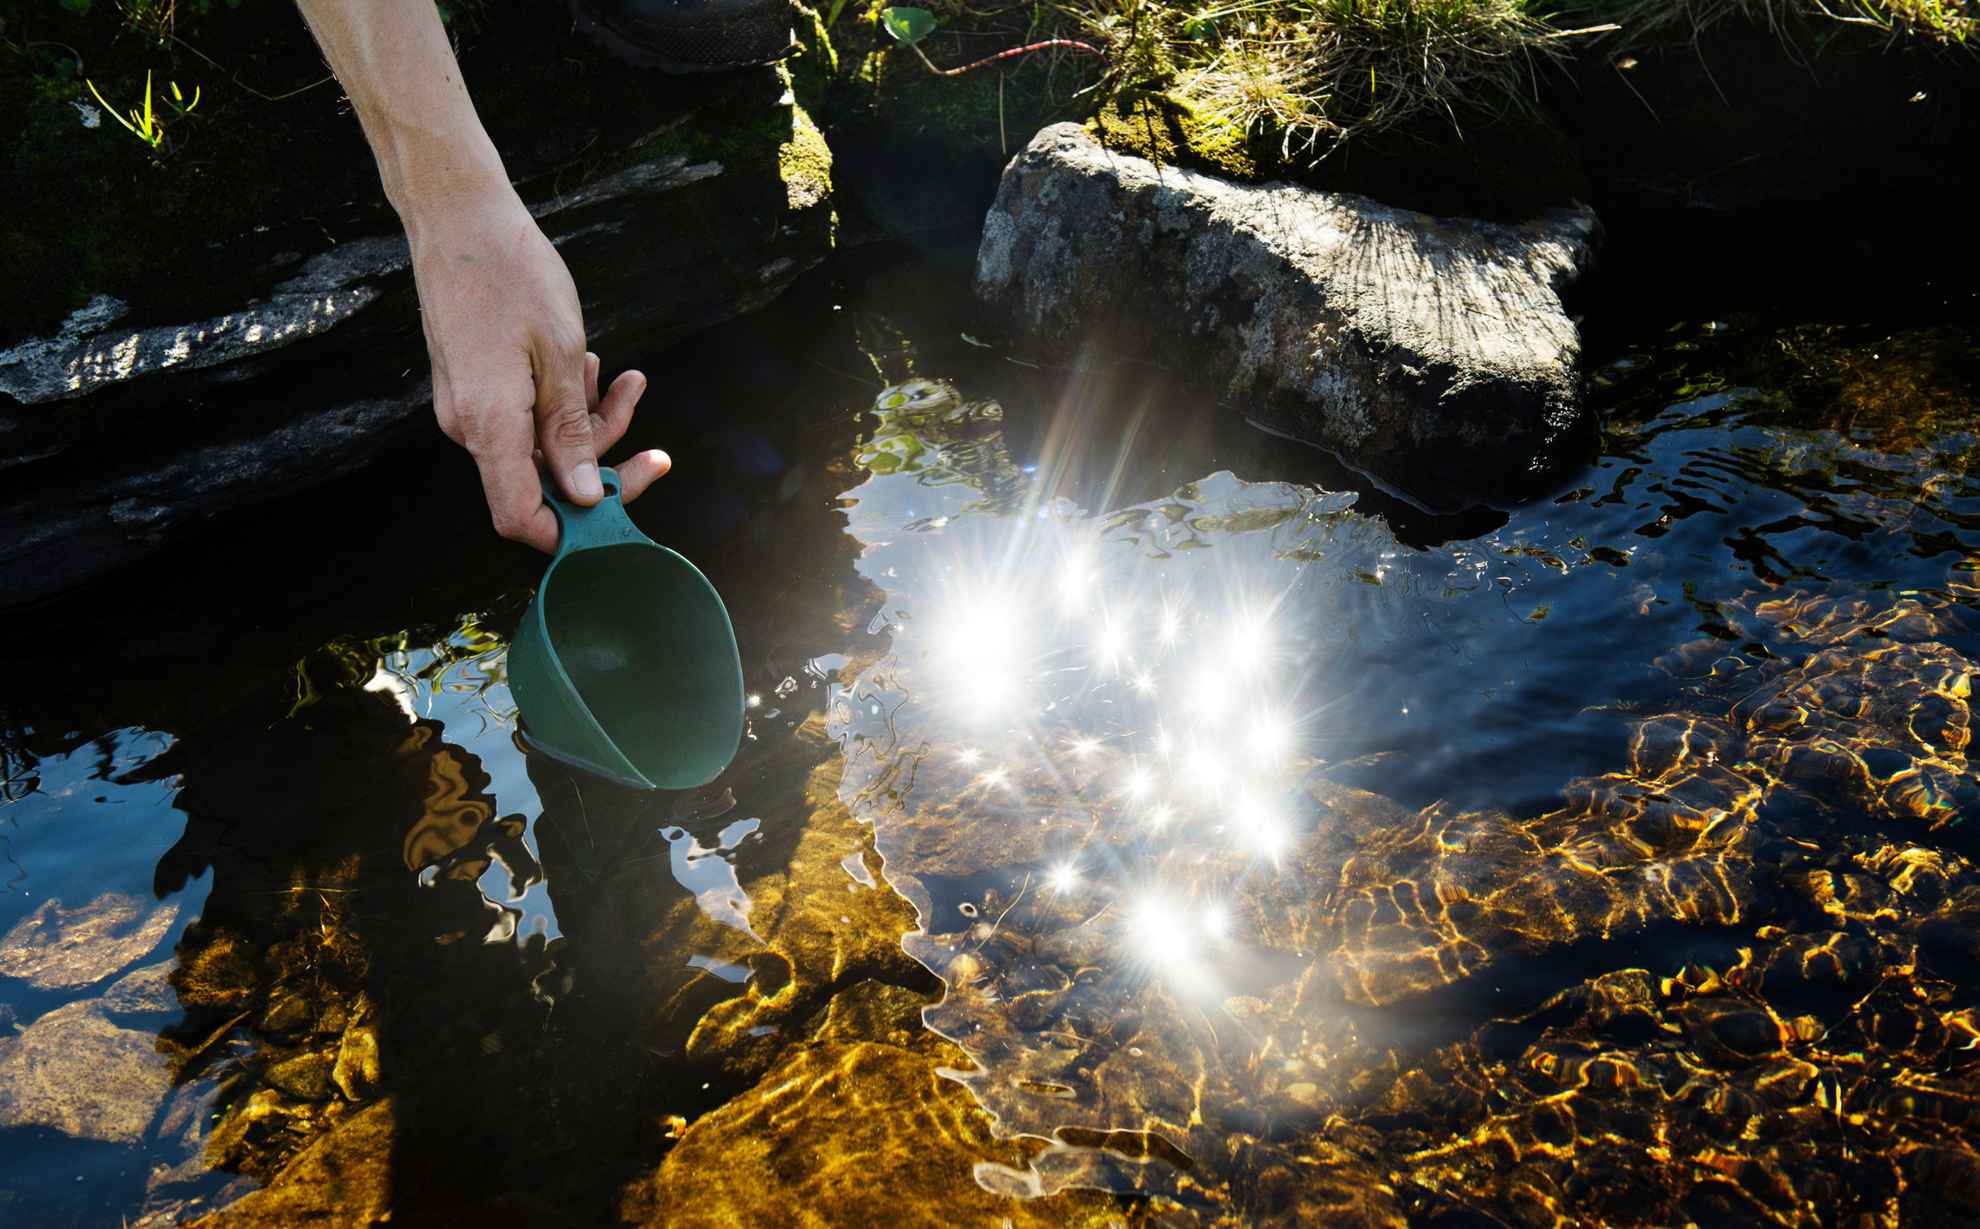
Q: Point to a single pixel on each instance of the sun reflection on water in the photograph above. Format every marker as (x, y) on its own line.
(1159, 914)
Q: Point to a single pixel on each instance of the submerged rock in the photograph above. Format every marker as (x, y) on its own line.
(55, 948)
(144, 991)
(1432, 352)
(75, 1071)
(856, 1134)
(344, 1177)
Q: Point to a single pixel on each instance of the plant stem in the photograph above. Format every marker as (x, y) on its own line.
(1071, 44)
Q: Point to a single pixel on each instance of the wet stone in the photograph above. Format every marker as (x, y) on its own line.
(288, 1011)
(142, 991)
(76, 1072)
(55, 948)
(1395, 339)
(847, 1135)
(306, 1076)
(355, 1071)
(343, 1178)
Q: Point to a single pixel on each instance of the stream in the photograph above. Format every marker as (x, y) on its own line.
(1140, 820)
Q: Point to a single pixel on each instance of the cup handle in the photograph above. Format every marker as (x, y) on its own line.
(605, 523)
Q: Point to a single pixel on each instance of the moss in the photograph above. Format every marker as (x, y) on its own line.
(1171, 135)
(1507, 169)
(804, 163)
(216, 970)
(782, 141)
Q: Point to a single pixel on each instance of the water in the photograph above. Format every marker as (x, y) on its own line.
(1137, 823)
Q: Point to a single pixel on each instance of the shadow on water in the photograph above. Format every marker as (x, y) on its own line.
(1252, 847)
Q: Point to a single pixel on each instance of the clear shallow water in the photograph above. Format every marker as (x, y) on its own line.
(1261, 854)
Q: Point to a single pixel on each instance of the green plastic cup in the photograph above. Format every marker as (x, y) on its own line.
(625, 665)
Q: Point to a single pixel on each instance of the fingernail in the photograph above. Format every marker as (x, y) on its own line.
(584, 481)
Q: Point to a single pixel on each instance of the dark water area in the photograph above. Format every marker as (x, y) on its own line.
(1140, 820)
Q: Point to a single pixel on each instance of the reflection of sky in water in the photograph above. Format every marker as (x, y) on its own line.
(461, 683)
(467, 692)
(86, 828)
(84, 824)
(711, 877)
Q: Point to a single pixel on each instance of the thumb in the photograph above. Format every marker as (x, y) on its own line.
(563, 432)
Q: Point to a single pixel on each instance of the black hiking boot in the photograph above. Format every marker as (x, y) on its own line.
(689, 36)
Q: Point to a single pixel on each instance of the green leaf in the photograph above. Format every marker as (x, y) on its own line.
(77, 6)
(908, 25)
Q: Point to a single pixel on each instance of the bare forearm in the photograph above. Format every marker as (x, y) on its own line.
(512, 382)
(393, 60)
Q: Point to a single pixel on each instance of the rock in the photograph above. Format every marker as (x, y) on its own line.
(56, 949)
(216, 970)
(144, 991)
(356, 1070)
(1433, 353)
(306, 1077)
(343, 1178)
(703, 220)
(819, 1143)
(75, 1071)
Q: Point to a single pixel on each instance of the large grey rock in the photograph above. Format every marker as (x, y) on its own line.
(118, 436)
(1433, 353)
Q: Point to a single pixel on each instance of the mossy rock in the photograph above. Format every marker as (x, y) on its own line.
(1504, 168)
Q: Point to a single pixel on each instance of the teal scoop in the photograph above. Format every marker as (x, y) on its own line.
(625, 665)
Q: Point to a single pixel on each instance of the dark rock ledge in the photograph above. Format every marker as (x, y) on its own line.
(118, 436)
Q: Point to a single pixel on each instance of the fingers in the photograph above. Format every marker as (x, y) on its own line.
(611, 417)
(563, 429)
(639, 471)
(501, 446)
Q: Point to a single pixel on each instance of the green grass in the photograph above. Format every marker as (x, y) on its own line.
(1320, 72)
(1313, 75)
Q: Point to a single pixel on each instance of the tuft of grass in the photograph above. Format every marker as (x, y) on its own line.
(1947, 23)
(1315, 74)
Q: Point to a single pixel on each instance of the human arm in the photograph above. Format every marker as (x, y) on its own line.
(504, 330)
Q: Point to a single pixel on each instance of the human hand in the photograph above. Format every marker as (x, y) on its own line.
(512, 381)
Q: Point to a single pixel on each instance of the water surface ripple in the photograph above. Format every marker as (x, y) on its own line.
(1137, 826)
